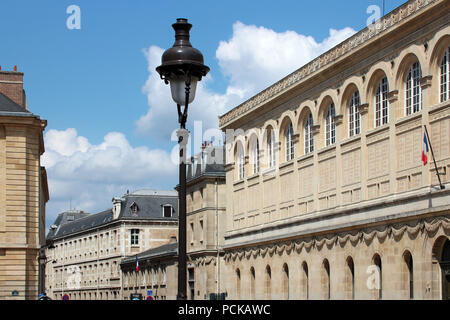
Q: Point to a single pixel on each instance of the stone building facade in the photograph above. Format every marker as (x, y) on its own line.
(84, 259)
(23, 191)
(327, 194)
(205, 220)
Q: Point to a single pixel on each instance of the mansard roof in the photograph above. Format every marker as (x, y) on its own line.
(150, 208)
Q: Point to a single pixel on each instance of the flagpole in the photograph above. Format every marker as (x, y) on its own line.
(434, 160)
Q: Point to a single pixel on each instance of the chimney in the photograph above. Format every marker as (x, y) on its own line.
(117, 206)
(11, 85)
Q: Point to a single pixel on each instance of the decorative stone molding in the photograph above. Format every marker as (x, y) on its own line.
(392, 96)
(425, 82)
(363, 108)
(367, 235)
(338, 119)
(316, 129)
(383, 25)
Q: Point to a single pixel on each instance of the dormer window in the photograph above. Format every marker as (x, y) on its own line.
(134, 208)
(167, 211)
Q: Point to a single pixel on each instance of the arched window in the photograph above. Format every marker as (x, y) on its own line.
(377, 262)
(252, 283)
(305, 280)
(330, 126)
(271, 148)
(351, 277)
(309, 137)
(268, 283)
(354, 118)
(289, 135)
(256, 156)
(382, 103)
(413, 91)
(409, 273)
(326, 278)
(238, 284)
(241, 162)
(444, 77)
(285, 282)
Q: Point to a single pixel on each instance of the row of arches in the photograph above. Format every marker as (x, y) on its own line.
(314, 126)
(373, 278)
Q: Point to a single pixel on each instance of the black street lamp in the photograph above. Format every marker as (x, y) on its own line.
(182, 66)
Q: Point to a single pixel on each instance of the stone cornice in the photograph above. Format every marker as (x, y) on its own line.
(353, 43)
(367, 235)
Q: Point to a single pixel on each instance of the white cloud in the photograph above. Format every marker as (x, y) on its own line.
(252, 59)
(88, 176)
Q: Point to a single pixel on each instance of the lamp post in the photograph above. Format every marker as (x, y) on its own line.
(182, 66)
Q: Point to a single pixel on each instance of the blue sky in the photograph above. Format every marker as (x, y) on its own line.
(97, 88)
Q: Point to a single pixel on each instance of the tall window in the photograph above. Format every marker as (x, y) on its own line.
(238, 284)
(382, 103)
(444, 78)
(309, 137)
(410, 273)
(252, 283)
(351, 276)
(377, 262)
(289, 142)
(354, 118)
(326, 278)
(268, 283)
(305, 279)
(134, 237)
(413, 92)
(271, 148)
(330, 126)
(191, 281)
(285, 282)
(241, 162)
(256, 156)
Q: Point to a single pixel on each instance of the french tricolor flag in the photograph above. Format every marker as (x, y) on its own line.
(137, 264)
(425, 150)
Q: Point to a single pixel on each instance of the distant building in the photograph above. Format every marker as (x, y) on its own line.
(205, 219)
(88, 248)
(23, 191)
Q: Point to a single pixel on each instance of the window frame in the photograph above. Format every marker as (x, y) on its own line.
(354, 117)
(308, 134)
(330, 126)
(412, 83)
(289, 140)
(444, 76)
(241, 162)
(134, 237)
(271, 148)
(256, 166)
(164, 212)
(381, 103)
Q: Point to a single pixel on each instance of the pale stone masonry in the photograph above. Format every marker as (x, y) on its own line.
(339, 190)
(84, 262)
(23, 191)
(205, 219)
(325, 194)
